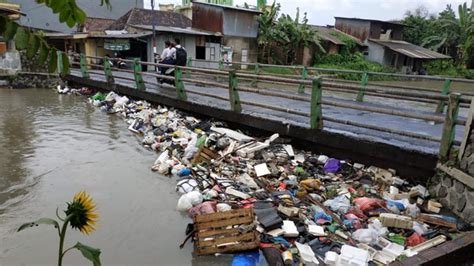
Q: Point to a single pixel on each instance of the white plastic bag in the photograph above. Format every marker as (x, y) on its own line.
(189, 200)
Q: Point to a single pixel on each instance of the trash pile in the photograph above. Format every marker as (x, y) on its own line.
(309, 208)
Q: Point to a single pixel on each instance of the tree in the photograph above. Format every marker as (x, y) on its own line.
(419, 25)
(455, 36)
(33, 41)
(284, 32)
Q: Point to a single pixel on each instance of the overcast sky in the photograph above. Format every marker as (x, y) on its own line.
(322, 12)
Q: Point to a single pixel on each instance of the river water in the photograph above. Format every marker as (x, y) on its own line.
(52, 146)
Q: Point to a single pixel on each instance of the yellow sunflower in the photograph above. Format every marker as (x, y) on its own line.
(82, 212)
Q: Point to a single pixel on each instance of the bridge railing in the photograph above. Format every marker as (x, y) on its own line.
(230, 79)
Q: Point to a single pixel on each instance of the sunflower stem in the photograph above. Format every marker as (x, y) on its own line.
(62, 236)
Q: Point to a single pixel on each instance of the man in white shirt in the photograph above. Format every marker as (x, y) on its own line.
(167, 51)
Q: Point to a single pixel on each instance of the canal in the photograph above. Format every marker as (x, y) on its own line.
(52, 146)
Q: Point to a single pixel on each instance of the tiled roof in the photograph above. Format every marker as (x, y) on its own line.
(97, 24)
(138, 16)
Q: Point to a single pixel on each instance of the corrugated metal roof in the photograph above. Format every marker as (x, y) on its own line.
(373, 20)
(122, 36)
(228, 7)
(410, 50)
(330, 35)
(138, 16)
(177, 30)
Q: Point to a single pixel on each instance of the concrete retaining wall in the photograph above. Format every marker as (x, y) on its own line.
(454, 195)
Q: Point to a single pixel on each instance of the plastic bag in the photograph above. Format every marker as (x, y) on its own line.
(223, 207)
(188, 200)
(369, 204)
(414, 240)
(203, 208)
(371, 234)
(340, 204)
(332, 166)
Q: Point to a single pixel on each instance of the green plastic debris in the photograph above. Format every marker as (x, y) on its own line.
(98, 97)
(398, 239)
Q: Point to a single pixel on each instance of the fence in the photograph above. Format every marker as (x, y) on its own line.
(228, 80)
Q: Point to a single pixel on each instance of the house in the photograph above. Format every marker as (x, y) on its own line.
(136, 28)
(333, 40)
(384, 40)
(237, 26)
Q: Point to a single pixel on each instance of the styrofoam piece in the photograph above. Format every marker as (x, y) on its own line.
(232, 134)
(289, 150)
(429, 243)
(331, 258)
(398, 221)
(236, 193)
(353, 256)
(261, 169)
(276, 232)
(306, 254)
(316, 230)
(290, 229)
(299, 158)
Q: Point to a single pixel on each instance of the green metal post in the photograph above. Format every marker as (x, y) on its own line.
(363, 85)
(256, 71)
(234, 93)
(84, 71)
(445, 91)
(449, 126)
(189, 63)
(108, 71)
(304, 76)
(137, 73)
(316, 109)
(178, 83)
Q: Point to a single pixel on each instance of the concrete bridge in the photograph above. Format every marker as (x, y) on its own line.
(388, 130)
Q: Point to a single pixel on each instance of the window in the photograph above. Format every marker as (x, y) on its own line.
(201, 52)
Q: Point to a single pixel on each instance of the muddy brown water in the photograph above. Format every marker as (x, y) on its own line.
(52, 146)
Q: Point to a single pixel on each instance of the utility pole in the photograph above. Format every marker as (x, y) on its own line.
(153, 26)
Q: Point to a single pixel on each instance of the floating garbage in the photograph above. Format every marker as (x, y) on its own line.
(246, 192)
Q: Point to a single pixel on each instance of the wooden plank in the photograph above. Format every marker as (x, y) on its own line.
(467, 130)
(250, 236)
(226, 249)
(449, 126)
(218, 224)
(222, 215)
(457, 174)
(209, 233)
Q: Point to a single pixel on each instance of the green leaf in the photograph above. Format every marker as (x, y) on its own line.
(53, 61)
(65, 63)
(22, 38)
(79, 15)
(38, 222)
(10, 30)
(71, 21)
(63, 16)
(58, 5)
(90, 253)
(43, 53)
(33, 46)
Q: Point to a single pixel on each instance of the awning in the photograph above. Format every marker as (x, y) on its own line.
(190, 31)
(410, 50)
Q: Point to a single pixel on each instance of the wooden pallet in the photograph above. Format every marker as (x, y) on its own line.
(204, 155)
(219, 232)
